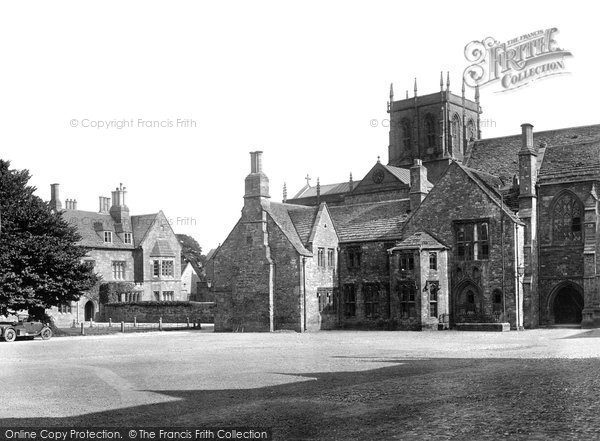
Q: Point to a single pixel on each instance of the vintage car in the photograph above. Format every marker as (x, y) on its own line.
(10, 330)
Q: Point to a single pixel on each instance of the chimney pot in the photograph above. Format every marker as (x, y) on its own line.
(526, 136)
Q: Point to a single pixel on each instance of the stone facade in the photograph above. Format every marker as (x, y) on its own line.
(271, 271)
(140, 252)
(515, 219)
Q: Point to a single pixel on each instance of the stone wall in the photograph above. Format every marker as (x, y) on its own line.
(374, 270)
(457, 198)
(559, 261)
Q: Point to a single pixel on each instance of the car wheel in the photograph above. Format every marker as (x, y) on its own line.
(46, 333)
(10, 335)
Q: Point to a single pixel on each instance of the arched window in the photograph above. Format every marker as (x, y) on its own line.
(497, 300)
(430, 130)
(456, 136)
(567, 215)
(406, 133)
(470, 130)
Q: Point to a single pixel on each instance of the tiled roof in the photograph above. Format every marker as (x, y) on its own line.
(281, 216)
(420, 240)
(326, 189)
(161, 249)
(403, 174)
(499, 156)
(91, 227)
(210, 254)
(303, 218)
(140, 226)
(370, 221)
(571, 162)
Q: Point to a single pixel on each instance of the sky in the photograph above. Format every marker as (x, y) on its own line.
(305, 82)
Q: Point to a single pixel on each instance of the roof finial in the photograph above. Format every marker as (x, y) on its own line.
(391, 92)
(441, 81)
(415, 86)
(406, 93)
(307, 180)
(378, 159)
(448, 81)
(318, 190)
(477, 93)
(351, 182)
(284, 192)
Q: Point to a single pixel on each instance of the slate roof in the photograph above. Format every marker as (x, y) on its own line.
(281, 216)
(303, 218)
(140, 226)
(210, 254)
(403, 174)
(499, 156)
(570, 162)
(326, 189)
(370, 221)
(419, 240)
(91, 227)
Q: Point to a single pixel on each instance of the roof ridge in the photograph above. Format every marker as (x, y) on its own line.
(537, 132)
(371, 203)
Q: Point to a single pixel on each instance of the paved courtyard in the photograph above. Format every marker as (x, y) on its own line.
(540, 384)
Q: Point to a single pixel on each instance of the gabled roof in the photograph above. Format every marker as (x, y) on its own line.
(420, 240)
(570, 162)
(370, 221)
(326, 190)
(140, 226)
(499, 156)
(91, 226)
(303, 218)
(403, 174)
(487, 187)
(210, 254)
(281, 216)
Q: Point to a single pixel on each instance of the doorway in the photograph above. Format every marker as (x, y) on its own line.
(90, 310)
(568, 305)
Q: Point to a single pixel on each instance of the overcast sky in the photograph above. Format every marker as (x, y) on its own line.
(300, 81)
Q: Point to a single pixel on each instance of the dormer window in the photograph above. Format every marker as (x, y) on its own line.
(108, 237)
(127, 238)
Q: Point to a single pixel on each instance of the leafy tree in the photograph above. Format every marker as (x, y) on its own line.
(191, 251)
(40, 261)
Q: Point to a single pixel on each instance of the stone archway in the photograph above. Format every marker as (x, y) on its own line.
(90, 311)
(567, 305)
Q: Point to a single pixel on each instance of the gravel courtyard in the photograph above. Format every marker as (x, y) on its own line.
(540, 384)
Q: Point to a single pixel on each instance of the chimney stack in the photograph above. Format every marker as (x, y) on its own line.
(256, 162)
(527, 162)
(418, 184)
(256, 195)
(55, 203)
(119, 211)
(104, 204)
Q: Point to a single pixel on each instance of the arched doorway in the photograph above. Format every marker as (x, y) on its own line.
(89, 311)
(567, 305)
(467, 301)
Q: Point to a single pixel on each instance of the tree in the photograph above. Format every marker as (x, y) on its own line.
(40, 262)
(191, 251)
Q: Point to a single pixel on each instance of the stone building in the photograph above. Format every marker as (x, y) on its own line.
(277, 268)
(455, 230)
(138, 252)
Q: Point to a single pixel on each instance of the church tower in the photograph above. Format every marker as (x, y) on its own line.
(434, 128)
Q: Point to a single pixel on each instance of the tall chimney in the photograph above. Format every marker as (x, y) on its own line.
(74, 202)
(256, 195)
(418, 184)
(119, 211)
(527, 162)
(55, 203)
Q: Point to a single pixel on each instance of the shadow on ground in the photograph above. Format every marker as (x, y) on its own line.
(410, 399)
